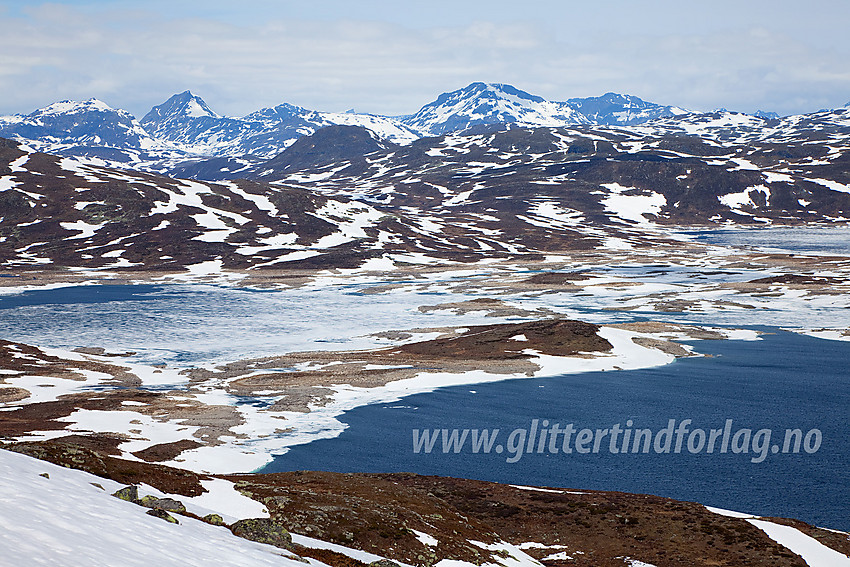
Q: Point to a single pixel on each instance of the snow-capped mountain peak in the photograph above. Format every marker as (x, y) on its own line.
(73, 107)
(89, 128)
(498, 103)
(500, 91)
(180, 105)
(284, 111)
(620, 109)
(766, 115)
(490, 103)
(186, 121)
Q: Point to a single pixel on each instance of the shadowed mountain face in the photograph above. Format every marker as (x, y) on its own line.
(328, 145)
(617, 109)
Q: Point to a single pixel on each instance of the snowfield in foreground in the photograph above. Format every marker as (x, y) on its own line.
(66, 520)
(57, 516)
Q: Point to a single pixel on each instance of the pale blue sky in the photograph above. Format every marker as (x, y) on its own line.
(393, 57)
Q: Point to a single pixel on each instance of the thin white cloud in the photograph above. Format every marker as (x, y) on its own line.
(134, 60)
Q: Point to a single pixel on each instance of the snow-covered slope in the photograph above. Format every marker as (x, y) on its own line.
(89, 128)
(813, 552)
(52, 515)
(57, 516)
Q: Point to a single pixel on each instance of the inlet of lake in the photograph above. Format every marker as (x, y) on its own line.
(784, 381)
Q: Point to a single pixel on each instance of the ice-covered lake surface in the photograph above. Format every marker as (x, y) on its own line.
(188, 324)
(784, 381)
(201, 324)
(832, 240)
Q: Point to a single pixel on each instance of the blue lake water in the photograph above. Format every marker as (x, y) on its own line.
(784, 381)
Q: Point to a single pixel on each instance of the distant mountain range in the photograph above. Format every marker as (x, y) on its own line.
(344, 197)
(488, 171)
(186, 121)
(487, 104)
(185, 127)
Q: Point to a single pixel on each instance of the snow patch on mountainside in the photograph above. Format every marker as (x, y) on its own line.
(631, 207)
(742, 199)
(811, 550)
(832, 185)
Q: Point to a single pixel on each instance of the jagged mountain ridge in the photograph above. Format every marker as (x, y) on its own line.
(186, 120)
(185, 127)
(487, 104)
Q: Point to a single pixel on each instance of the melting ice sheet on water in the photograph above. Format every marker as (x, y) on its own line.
(828, 240)
(192, 324)
(201, 324)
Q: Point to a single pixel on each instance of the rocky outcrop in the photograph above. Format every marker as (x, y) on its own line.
(165, 504)
(263, 530)
(163, 515)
